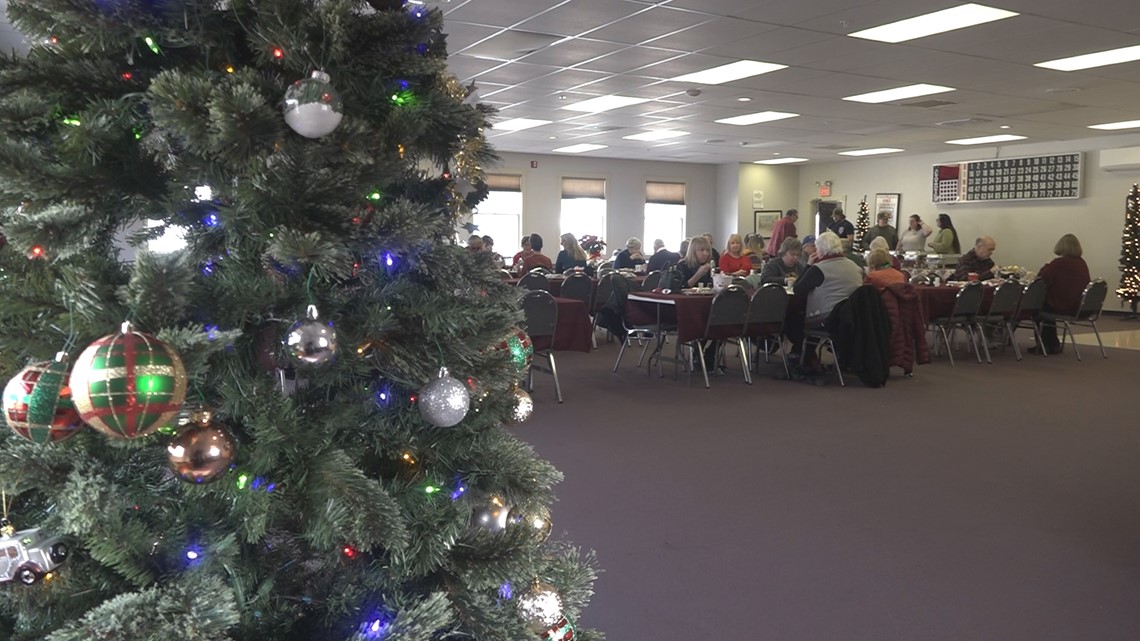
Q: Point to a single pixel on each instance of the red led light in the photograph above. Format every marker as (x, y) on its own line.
(126, 75)
(278, 53)
(349, 552)
(36, 251)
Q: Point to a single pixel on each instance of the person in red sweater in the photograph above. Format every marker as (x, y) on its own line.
(1066, 278)
(784, 228)
(536, 258)
(733, 261)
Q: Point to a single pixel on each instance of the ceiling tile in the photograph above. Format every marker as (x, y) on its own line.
(631, 59)
(500, 13)
(650, 25)
(578, 17)
(571, 52)
(710, 34)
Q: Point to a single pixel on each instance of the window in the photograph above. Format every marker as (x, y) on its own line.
(583, 207)
(664, 214)
(499, 215)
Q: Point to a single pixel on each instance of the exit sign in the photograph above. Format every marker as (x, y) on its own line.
(824, 191)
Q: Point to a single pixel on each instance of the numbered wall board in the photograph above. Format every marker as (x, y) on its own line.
(1028, 178)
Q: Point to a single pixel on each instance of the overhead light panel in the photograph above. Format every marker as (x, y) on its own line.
(728, 73)
(657, 135)
(985, 139)
(870, 152)
(518, 124)
(605, 103)
(1111, 126)
(960, 17)
(760, 116)
(899, 93)
(577, 149)
(1090, 60)
(779, 161)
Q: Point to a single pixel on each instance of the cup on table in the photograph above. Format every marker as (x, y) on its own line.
(639, 269)
(790, 280)
(972, 277)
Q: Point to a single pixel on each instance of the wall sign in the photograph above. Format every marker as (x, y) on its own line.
(1027, 178)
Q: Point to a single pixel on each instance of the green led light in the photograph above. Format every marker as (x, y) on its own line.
(152, 44)
(403, 98)
(431, 489)
(242, 481)
(376, 195)
(74, 122)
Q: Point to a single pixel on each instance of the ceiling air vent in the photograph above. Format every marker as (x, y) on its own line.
(511, 45)
(927, 104)
(960, 122)
(835, 147)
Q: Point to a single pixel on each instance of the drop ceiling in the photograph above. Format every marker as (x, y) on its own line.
(531, 58)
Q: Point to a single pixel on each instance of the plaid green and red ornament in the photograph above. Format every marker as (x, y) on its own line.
(38, 405)
(129, 384)
(519, 346)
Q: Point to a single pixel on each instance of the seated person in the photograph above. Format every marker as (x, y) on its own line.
(517, 259)
(696, 268)
(883, 274)
(830, 280)
(536, 259)
(809, 255)
(572, 254)
(662, 258)
(475, 243)
(630, 256)
(851, 254)
(1066, 277)
(977, 261)
(881, 243)
(786, 264)
(733, 262)
(754, 250)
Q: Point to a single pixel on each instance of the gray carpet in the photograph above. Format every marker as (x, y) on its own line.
(977, 502)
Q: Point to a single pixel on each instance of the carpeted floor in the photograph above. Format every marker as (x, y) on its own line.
(977, 502)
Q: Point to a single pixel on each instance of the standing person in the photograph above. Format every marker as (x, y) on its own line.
(662, 258)
(572, 254)
(1065, 280)
(536, 259)
(630, 256)
(977, 261)
(914, 238)
(946, 240)
(733, 261)
(840, 225)
(882, 229)
(786, 265)
(784, 228)
(516, 261)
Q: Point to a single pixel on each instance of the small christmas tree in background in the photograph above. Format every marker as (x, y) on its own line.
(1129, 289)
(862, 223)
(301, 437)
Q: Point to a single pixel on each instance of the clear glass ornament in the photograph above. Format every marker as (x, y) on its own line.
(311, 342)
(540, 606)
(312, 106)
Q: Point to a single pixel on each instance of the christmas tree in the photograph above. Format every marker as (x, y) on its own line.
(862, 223)
(272, 449)
(1129, 289)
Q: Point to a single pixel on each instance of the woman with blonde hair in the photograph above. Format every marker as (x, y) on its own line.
(882, 273)
(733, 261)
(696, 267)
(572, 254)
(1066, 277)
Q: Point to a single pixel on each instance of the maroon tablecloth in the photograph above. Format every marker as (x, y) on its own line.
(938, 301)
(690, 312)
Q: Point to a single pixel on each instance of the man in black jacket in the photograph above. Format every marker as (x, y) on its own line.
(662, 258)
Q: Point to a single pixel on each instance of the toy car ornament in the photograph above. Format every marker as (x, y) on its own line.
(28, 556)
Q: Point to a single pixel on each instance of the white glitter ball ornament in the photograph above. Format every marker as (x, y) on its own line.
(540, 606)
(444, 401)
(312, 106)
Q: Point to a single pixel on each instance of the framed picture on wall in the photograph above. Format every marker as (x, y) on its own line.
(766, 221)
(888, 204)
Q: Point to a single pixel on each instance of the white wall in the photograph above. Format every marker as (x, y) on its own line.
(625, 194)
(780, 184)
(1025, 231)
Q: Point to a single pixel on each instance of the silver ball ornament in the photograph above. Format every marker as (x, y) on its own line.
(310, 342)
(492, 516)
(523, 405)
(444, 401)
(312, 106)
(540, 606)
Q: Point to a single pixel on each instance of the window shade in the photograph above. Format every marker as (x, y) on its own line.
(583, 188)
(665, 193)
(504, 182)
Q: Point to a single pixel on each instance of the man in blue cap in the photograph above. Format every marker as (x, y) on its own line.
(808, 255)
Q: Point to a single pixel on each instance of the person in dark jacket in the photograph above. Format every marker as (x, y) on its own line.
(662, 258)
(977, 261)
(1066, 278)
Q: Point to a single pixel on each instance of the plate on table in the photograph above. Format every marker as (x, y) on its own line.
(691, 291)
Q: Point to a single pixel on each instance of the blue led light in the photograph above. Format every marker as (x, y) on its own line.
(208, 268)
(459, 490)
(389, 260)
(212, 332)
(404, 84)
(505, 591)
(376, 626)
(210, 219)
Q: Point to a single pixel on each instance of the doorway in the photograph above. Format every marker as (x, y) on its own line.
(823, 210)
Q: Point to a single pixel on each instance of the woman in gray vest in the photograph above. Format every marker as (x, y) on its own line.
(831, 279)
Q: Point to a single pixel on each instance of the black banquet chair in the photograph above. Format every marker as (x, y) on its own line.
(964, 316)
(1087, 314)
(534, 280)
(540, 312)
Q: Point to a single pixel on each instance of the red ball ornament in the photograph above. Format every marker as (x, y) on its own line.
(129, 384)
(37, 403)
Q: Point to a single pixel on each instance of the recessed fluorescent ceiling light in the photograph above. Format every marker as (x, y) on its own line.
(605, 103)
(899, 93)
(729, 72)
(657, 135)
(959, 17)
(1124, 124)
(1090, 60)
(518, 124)
(577, 149)
(870, 152)
(778, 161)
(985, 139)
(760, 116)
